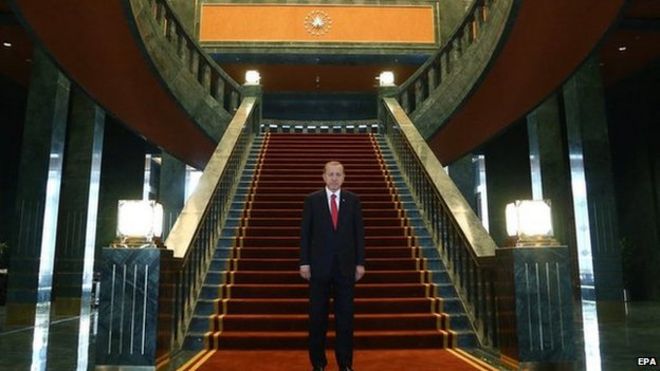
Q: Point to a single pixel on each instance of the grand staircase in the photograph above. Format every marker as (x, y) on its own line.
(253, 297)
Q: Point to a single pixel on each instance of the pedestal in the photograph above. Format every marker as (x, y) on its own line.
(129, 308)
(535, 306)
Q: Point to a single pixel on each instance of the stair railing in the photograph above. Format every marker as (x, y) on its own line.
(436, 70)
(195, 233)
(210, 76)
(466, 248)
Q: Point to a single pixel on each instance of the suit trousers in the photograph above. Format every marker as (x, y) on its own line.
(341, 289)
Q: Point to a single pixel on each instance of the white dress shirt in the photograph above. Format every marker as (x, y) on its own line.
(328, 194)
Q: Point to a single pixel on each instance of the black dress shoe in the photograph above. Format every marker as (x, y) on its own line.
(319, 368)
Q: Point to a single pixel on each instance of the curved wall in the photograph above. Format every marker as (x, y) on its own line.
(549, 40)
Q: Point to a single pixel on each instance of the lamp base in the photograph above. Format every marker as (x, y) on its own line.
(137, 243)
(535, 241)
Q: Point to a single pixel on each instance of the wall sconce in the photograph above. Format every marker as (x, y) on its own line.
(529, 223)
(386, 78)
(252, 77)
(139, 223)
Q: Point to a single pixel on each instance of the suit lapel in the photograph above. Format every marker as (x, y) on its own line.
(343, 210)
(323, 199)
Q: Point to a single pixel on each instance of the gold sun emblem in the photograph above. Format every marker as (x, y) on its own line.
(318, 23)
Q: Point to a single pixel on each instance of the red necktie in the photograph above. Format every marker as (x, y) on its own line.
(333, 210)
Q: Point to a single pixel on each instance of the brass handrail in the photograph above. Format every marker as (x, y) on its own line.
(466, 248)
(195, 233)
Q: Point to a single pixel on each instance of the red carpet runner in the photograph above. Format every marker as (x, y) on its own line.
(365, 360)
(264, 303)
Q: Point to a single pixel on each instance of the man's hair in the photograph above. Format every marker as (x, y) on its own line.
(333, 163)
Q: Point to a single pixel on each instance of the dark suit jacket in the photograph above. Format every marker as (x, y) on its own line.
(319, 242)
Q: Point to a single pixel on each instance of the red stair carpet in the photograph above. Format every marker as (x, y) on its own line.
(365, 360)
(263, 305)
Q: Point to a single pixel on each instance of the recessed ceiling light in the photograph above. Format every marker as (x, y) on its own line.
(623, 48)
(6, 44)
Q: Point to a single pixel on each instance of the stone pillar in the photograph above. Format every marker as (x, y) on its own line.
(507, 177)
(463, 173)
(76, 231)
(12, 110)
(172, 189)
(545, 126)
(593, 186)
(122, 178)
(38, 191)
(634, 134)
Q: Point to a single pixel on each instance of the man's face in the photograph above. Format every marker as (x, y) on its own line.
(333, 176)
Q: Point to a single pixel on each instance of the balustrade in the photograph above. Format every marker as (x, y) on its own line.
(410, 96)
(465, 247)
(226, 91)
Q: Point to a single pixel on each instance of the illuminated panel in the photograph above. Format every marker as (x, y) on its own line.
(317, 24)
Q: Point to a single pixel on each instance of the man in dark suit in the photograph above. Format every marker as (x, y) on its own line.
(332, 260)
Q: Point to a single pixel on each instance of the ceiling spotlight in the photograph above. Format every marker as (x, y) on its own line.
(623, 48)
(6, 44)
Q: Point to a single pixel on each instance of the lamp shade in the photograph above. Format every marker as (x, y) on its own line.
(529, 219)
(252, 77)
(139, 219)
(386, 78)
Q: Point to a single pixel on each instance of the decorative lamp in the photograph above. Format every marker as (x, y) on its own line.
(529, 223)
(386, 78)
(252, 77)
(139, 223)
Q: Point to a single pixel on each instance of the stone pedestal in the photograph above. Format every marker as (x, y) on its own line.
(535, 306)
(129, 307)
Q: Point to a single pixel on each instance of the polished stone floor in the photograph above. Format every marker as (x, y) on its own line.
(68, 343)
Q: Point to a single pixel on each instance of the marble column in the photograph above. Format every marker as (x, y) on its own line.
(463, 173)
(633, 116)
(12, 110)
(593, 186)
(172, 189)
(507, 176)
(76, 231)
(38, 191)
(122, 178)
(548, 152)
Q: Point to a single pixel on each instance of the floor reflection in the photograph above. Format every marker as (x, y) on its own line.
(68, 343)
(40, 337)
(54, 343)
(591, 336)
